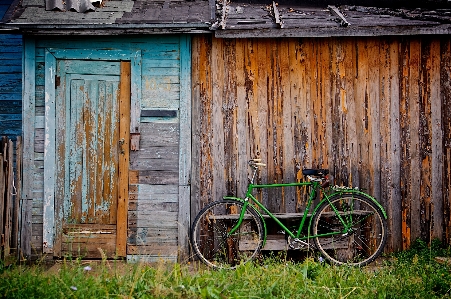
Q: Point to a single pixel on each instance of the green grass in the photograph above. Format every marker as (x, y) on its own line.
(408, 274)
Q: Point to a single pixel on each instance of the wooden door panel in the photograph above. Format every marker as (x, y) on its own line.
(94, 242)
(89, 157)
(93, 130)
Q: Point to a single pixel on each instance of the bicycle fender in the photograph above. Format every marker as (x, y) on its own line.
(356, 191)
(258, 213)
(350, 191)
(234, 198)
(341, 192)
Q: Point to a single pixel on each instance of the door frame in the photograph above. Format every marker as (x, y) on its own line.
(52, 215)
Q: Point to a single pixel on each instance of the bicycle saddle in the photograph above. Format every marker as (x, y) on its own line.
(315, 172)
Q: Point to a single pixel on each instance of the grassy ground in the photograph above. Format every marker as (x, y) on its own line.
(410, 274)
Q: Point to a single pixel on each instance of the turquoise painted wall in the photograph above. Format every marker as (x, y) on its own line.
(10, 81)
(10, 85)
(159, 170)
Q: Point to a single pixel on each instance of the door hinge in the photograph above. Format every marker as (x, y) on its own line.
(57, 81)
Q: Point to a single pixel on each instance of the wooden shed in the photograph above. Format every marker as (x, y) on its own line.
(107, 126)
(138, 113)
(361, 91)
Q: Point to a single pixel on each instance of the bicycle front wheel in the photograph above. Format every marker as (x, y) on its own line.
(350, 229)
(214, 244)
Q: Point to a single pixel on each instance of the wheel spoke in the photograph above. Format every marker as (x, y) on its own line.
(358, 228)
(215, 246)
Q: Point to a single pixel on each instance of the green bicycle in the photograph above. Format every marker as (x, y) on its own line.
(348, 226)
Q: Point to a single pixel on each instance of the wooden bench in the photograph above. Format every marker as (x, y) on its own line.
(277, 242)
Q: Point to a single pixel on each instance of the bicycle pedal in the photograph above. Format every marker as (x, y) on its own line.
(298, 244)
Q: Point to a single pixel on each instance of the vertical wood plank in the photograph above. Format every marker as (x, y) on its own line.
(241, 137)
(206, 133)
(436, 144)
(196, 155)
(394, 156)
(100, 196)
(49, 154)
(287, 138)
(375, 59)
(425, 142)
(135, 101)
(124, 158)
(415, 155)
(90, 163)
(263, 64)
(184, 147)
(229, 108)
(18, 196)
(352, 143)
(363, 142)
(8, 204)
(217, 116)
(28, 116)
(405, 141)
(385, 137)
(3, 189)
(310, 97)
(61, 163)
(325, 80)
(445, 91)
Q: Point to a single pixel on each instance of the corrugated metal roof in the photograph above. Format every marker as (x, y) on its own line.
(69, 5)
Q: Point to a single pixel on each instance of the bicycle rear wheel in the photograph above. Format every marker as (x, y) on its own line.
(212, 242)
(352, 230)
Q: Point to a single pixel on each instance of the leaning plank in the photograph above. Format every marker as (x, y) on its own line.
(2, 200)
(15, 220)
(8, 201)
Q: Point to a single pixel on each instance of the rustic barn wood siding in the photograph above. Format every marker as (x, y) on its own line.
(374, 111)
(153, 211)
(10, 85)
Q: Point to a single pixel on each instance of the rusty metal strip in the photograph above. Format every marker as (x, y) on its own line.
(279, 21)
(334, 10)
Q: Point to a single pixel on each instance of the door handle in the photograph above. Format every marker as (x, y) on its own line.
(121, 143)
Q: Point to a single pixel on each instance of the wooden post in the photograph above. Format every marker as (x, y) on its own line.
(124, 158)
(18, 185)
(2, 200)
(8, 196)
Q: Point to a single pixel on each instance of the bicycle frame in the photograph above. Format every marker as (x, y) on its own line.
(315, 186)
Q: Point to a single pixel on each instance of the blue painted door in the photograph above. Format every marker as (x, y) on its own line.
(88, 153)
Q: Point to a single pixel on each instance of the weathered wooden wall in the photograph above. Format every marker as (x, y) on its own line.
(157, 180)
(10, 85)
(10, 81)
(9, 197)
(375, 111)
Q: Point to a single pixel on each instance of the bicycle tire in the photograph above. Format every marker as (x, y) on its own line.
(365, 239)
(212, 244)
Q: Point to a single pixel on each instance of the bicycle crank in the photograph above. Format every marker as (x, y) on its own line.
(297, 244)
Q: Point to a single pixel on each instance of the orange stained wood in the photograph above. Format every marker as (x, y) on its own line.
(90, 176)
(374, 111)
(124, 157)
